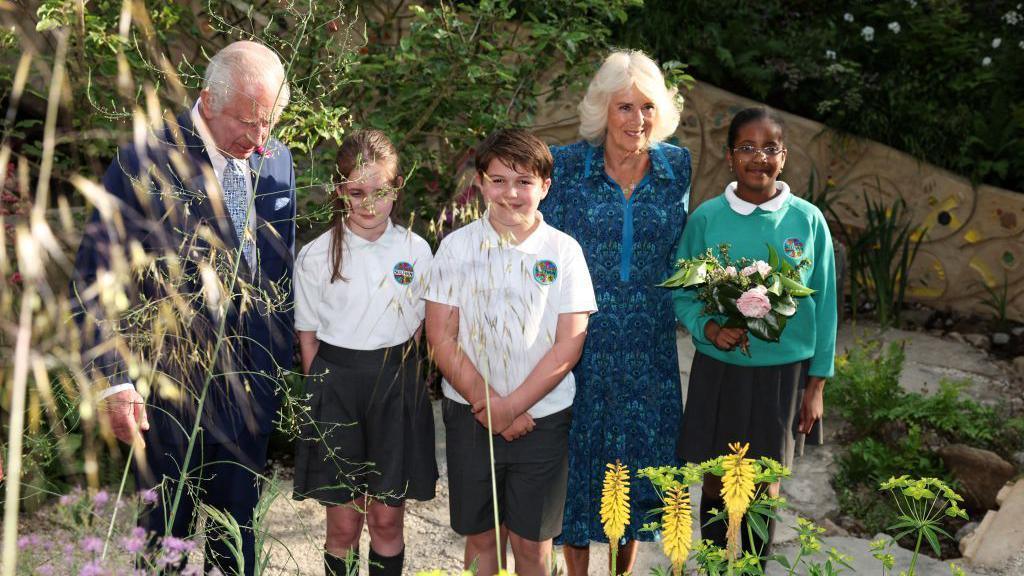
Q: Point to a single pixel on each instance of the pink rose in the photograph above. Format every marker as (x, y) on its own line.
(730, 271)
(754, 303)
(759, 266)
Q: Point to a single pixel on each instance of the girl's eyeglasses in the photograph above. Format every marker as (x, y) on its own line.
(747, 151)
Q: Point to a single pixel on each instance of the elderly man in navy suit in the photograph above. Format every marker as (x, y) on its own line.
(210, 201)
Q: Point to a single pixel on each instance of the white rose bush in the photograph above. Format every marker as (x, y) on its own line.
(754, 294)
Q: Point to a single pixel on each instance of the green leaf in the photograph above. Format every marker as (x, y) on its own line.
(929, 535)
(773, 257)
(768, 328)
(795, 288)
(696, 275)
(759, 526)
(783, 305)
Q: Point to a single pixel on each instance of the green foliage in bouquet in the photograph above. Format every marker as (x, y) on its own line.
(752, 294)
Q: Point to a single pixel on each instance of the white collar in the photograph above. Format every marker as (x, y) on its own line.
(741, 206)
(218, 160)
(530, 245)
(354, 239)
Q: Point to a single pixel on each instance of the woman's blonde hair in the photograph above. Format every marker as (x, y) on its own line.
(621, 70)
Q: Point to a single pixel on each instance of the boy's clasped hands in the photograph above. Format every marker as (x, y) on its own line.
(506, 418)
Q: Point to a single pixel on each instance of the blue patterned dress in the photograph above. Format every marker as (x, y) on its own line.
(628, 394)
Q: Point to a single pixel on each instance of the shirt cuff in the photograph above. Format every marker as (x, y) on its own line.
(111, 390)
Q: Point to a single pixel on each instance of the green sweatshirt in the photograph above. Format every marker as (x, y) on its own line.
(797, 230)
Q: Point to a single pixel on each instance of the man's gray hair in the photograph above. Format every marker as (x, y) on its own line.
(243, 64)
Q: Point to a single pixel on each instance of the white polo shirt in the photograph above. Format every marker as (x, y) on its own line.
(378, 304)
(509, 298)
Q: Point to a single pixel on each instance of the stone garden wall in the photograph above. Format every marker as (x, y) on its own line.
(972, 234)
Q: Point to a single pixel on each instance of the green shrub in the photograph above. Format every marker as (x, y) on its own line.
(924, 72)
(892, 432)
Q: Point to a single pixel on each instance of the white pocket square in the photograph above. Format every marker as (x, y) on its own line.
(281, 203)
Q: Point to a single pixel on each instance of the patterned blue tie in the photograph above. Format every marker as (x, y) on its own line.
(236, 197)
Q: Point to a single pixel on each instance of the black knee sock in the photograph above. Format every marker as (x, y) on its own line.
(716, 531)
(342, 566)
(386, 565)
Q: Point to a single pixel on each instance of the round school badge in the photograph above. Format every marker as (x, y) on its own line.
(403, 273)
(545, 272)
(793, 248)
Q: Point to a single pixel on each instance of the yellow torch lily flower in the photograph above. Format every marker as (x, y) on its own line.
(737, 491)
(677, 527)
(615, 502)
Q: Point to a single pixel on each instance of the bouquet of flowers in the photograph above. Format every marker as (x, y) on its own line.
(752, 294)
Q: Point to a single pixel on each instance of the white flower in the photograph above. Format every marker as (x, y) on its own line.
(830, 54)
(848, 17)
(986, 61)
(895, 27)
(997, 42)
(730, 271)
(758, 267)
(868, 33)
(1021, 44)
(913, 3)
(1012, 17)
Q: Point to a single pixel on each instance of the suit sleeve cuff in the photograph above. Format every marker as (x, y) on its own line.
(110, 391)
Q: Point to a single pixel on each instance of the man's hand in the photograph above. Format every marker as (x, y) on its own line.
(812, 408)
(724, 338)
(502, 413)
(521, 426)
(127, 413)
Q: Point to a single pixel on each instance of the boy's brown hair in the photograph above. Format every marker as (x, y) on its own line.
(518, 149)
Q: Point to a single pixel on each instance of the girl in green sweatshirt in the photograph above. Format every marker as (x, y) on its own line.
(775, 393)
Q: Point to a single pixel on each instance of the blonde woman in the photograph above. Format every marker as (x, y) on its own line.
(622, 193)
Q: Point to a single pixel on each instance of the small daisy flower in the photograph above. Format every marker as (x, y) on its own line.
(895, 27)
(830, 54)
(868, 33)
(997, 42)
(986, 61)
(848, 17)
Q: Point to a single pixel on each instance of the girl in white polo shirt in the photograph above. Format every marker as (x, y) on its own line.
(367, 442)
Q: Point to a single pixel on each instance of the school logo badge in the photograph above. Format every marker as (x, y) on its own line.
(404, 273)
(545, 272)
(793, 248)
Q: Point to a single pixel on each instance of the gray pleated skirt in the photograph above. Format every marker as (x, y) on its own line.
(369, 429)
(728, 403)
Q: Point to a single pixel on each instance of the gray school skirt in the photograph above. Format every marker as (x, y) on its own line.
(369, 429)
(726, 403)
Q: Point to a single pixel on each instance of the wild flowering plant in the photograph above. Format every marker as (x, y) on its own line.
(94, 542)
(923, 503)
(752, 294)
(615, 506)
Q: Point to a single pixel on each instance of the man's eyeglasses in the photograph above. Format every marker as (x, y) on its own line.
(747, 151)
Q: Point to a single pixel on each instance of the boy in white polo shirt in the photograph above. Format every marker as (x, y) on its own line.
(508, 302)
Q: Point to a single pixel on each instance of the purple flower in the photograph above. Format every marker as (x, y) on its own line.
(172, 544)
(136, 542)
(100, 499)
(45, 570)
(168, 559)
(92, 544)
(150, 496)
(192, 571)
(92, 569)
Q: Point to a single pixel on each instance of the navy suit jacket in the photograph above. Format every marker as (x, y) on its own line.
(160, 195)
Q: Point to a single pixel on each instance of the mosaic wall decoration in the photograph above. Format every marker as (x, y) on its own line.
(972, 236)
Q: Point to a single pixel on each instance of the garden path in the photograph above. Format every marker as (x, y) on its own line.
(432, 544)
